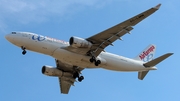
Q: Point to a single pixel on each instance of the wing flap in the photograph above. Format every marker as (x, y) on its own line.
(110, 40)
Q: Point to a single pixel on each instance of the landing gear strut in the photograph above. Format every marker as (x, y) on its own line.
(76, 75)
(24, 50)
(93, 59)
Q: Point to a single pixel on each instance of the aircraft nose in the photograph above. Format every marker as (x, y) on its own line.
(14, 38)
(9, 37)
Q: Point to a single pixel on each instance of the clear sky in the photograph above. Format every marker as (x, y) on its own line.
(21, 78)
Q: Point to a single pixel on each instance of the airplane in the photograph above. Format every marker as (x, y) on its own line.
(74, 56)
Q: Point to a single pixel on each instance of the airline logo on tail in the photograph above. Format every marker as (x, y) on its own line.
(146, 56)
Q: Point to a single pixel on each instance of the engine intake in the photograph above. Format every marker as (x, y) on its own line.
(77, 42)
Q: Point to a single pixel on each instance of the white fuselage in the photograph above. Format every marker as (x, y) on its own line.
(55, 48)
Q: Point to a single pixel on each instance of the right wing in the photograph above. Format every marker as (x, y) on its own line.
(103, 39)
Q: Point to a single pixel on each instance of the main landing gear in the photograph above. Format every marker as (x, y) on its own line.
(96, 62)
(76, 75)
(24, 50)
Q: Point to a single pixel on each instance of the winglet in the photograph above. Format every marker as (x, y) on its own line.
(158, 6)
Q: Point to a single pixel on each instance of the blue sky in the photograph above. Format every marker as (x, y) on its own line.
(21, 78)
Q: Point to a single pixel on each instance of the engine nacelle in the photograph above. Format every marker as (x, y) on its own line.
(52, 71)
(77, 42)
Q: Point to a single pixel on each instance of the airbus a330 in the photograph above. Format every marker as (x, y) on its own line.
(79, 53)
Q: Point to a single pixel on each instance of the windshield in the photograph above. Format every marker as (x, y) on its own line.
(13, 33)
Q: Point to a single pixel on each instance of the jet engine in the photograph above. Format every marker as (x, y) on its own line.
(51, 71)
(77, 42)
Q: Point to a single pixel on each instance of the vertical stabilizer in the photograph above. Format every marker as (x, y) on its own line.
(147, 54)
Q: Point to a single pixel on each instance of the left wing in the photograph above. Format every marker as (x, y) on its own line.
(67, 80)
(65, 85)
(102, 40)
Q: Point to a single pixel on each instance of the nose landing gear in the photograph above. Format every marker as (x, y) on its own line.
(24, 50)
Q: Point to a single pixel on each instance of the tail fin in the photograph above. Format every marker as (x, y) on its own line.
(152, 63)
(147, 54)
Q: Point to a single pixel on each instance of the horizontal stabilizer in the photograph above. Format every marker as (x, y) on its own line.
(142, 74)
(157, 60)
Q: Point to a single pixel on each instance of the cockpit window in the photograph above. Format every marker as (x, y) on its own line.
(13, 32)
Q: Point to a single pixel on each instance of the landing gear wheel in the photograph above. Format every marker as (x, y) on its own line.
(93, 59)
(97, 62)
(81, 78)
(24, 52)
(77, 74)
